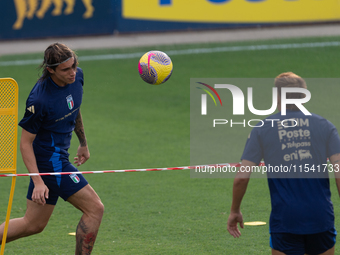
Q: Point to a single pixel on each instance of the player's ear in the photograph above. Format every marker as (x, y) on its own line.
(50, 70)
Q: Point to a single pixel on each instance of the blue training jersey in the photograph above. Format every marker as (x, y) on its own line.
(301, 203)
(51, 113)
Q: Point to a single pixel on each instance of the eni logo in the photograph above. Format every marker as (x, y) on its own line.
(30, 8)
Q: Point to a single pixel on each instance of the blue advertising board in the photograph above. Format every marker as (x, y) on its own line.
(22, 19)
(47, 18)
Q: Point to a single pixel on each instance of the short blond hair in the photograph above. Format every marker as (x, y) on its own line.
(291, 80)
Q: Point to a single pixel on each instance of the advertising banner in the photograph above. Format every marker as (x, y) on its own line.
(233, 11)
(44, 18)
(26, 19)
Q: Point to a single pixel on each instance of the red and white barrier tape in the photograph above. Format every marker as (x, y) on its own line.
(124, 171)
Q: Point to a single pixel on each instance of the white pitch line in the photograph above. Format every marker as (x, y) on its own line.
(187, 52)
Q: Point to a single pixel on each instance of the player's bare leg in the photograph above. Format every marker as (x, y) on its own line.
(33, 222)
(87, 201)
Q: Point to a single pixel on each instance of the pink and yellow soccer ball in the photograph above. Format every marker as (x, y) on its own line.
(155, 67)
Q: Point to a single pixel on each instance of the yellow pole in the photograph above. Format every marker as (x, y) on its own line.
(9, 208)
(8, 140)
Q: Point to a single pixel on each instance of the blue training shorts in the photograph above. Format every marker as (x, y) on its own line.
(62, 186)
(311, 244)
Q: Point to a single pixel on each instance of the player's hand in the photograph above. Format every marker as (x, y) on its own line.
(83, 155)
(233, 219)
(40, 193)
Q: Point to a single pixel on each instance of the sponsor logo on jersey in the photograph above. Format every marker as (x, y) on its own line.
(70, 102)
(75, 178)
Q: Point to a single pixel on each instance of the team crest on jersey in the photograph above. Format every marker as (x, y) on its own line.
(75, 178)
(70, 102)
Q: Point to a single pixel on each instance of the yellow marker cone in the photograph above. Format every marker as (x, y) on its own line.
(255, 223)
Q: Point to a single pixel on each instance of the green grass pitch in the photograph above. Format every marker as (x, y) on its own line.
(130, 124)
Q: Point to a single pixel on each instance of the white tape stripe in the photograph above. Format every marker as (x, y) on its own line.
(186, 52)
(109, 171)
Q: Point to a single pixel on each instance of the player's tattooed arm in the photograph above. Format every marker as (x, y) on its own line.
(83, 153)
(79, 130)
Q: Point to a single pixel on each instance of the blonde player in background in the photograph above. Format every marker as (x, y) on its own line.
(302, 216)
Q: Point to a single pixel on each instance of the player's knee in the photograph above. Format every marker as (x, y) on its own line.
(100, 209)
(97, 210)
(35, 228)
